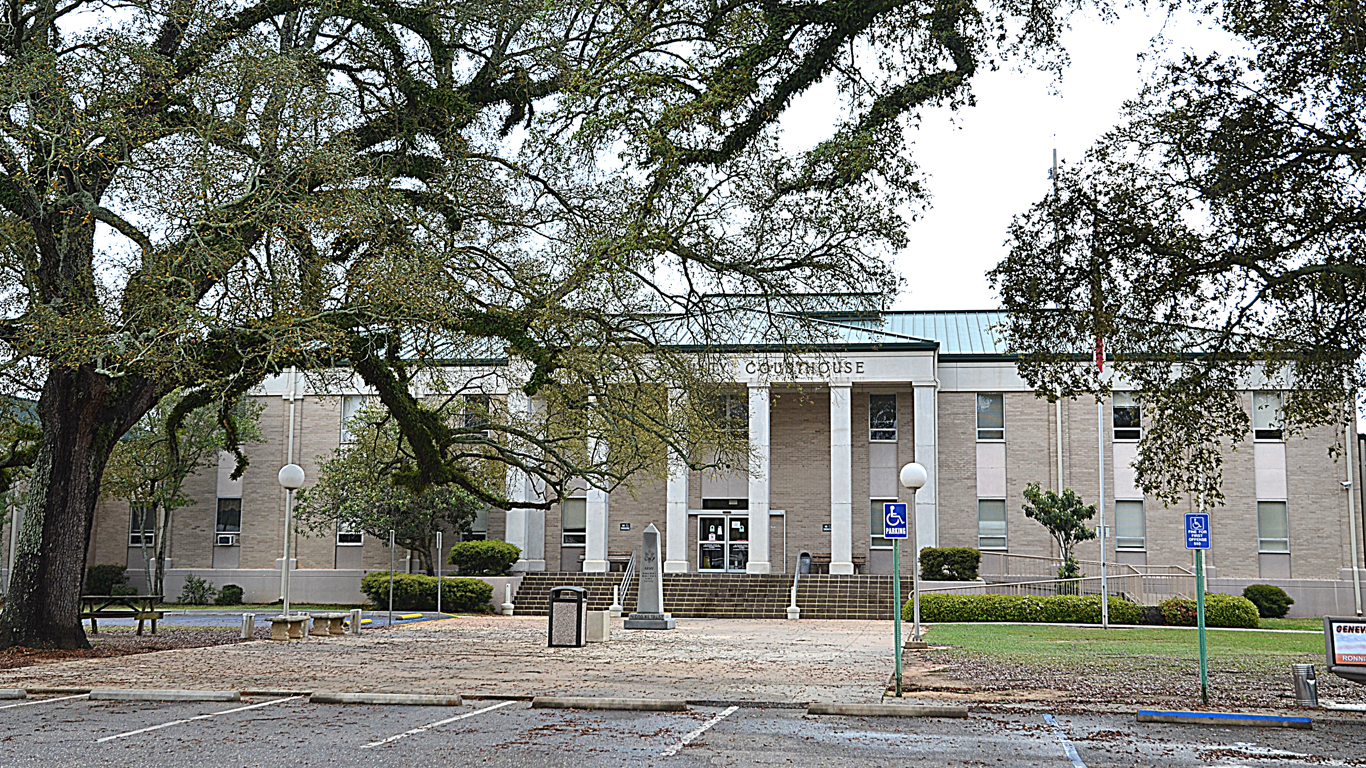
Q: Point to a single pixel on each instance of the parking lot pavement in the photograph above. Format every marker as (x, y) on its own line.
(494, 734)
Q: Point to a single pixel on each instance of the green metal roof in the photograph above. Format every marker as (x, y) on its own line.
(958, 333)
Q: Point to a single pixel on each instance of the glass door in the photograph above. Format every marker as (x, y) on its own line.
(711, 544)
(737, 544)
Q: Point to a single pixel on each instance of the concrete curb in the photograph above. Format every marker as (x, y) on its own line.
(1224, 718)
(274, 692)
(591, 702)
(121, 694)
(13, 693)
(886, 710)
(404, 699)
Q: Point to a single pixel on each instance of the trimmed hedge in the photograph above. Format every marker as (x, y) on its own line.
(1066, 609)
(1220, 611)
(949, 563)
(484, 558)
(230, 594)
(103, 579)
(1272, 602)
(417, 592)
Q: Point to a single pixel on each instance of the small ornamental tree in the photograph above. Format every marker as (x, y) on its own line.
(1065, 518)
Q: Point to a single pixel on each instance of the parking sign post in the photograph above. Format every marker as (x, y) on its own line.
(894, 527)
(1197, 538)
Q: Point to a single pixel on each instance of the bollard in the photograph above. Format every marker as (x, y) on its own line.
(507, 606)
(616, 608)
(355, 621)
(793, 612)
(248, 626)
(1306, 685)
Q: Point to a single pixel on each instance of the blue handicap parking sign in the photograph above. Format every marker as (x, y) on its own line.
(1197, 530)
(894, 521)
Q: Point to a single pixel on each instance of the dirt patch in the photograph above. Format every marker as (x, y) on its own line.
(120, 641)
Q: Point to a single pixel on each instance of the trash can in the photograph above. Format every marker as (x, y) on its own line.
(1306, 685)
(804, 563)
(568, 617)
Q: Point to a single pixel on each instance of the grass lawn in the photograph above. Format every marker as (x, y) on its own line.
(260, 607)
(1313, 624)
(1142, 665)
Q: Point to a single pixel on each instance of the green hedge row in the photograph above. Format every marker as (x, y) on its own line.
(484, 558)
(1220, 611)
(1065, 609)
(949, 563)
(417, 592)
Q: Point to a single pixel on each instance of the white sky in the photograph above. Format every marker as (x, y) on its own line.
(987, 163)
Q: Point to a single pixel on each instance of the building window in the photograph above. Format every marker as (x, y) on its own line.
(1128, 417)
(725, 504)
(732, 413)
(479, 526)
(229, 519)
(991, 523)
(1266, 415)
(876, 517)
(141, 525)
(348, 536)
(1273, 527)
(574, 522)
(882, 417)
(991, 416)
(1131, 530)
(350, 406)
(476, 414)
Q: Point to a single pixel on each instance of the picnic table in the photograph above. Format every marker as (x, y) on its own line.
(140, 607)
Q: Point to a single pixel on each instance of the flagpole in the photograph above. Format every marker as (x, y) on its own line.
(1100, 446)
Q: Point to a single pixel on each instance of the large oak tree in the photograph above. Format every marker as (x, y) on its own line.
(1214, 240)
(196, 194)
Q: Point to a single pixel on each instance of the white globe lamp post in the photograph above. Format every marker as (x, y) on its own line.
(913, 478)
(291, 479)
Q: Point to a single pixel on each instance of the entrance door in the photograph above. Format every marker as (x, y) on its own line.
(723, 543)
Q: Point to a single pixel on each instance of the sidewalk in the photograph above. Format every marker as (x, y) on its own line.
(722, 659)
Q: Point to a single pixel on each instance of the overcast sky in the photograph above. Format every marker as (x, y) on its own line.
(989, 162)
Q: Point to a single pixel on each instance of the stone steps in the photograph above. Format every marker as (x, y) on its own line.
(733, 596)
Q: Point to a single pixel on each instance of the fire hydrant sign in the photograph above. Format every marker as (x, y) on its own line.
(894, 521)
(1349, 642)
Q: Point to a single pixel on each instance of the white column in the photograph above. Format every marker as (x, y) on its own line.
(595, 551)
(841, 481)
(758, 478)
(676, 505)
(926, 416)
(519, 531)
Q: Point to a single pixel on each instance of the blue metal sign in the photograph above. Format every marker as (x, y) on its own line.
(894, 524)
(1197, 530)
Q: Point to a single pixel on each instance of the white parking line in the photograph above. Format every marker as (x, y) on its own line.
(196, 717)
(1066, 743)
(698, 731)
(429, 726)
(45, 701)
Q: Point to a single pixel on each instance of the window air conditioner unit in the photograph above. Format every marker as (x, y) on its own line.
(226, 540)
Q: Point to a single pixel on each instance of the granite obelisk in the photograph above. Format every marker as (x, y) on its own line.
(650, 600)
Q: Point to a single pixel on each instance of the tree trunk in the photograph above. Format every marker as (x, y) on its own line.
(83, 414)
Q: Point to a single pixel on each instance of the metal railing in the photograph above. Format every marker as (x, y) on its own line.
(1144, 589)
(1008, 567)
(628, 574)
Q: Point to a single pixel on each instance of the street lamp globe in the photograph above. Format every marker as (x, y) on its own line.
(292, 477)
(914, 476)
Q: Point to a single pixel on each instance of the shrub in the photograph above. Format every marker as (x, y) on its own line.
(949, 563)
(230, 594)
(1220, 611)
(197, 591)
(101, 579)
(1066, 609)
(483, 558)
(1272, 602)
(417, 592)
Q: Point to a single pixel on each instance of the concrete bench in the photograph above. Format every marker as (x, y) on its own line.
(287, 627)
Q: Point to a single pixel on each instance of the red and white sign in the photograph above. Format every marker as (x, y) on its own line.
(1349, 642)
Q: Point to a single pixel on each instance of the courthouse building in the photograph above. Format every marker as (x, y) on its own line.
(829, 426)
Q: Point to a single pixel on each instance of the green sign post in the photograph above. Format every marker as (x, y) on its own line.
(896, 528)
(1197, 538)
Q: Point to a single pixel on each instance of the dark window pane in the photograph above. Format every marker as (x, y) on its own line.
(229, 516)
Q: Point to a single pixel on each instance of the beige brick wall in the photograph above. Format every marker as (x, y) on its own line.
(958, 469)
(800, 438)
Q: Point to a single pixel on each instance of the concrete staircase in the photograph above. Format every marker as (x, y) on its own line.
(728, 596)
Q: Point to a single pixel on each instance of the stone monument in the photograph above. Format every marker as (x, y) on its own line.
(650, 601)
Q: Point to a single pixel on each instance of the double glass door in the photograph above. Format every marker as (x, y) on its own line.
(723, 543)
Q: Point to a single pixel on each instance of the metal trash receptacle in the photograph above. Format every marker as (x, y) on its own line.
(1306, 685)
(568, 617)
(804, 563)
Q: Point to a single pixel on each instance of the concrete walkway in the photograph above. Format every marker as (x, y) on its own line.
(722, 659)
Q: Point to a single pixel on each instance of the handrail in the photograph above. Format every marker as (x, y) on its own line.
(629, 574)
